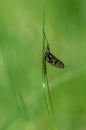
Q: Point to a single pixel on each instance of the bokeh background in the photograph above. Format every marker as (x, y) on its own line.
(22, 104)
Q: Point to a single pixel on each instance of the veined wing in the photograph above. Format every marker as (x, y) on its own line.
(54, 61)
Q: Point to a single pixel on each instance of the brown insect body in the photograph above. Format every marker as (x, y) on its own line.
(50, 58)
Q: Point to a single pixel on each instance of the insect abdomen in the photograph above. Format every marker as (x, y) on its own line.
(44, 65)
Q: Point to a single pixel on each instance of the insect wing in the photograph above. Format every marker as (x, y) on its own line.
(54, 61)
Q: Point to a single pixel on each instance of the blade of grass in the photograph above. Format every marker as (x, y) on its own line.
(46, 90)
(34, 97)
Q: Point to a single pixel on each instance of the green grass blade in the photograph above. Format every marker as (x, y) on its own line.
(46, 90)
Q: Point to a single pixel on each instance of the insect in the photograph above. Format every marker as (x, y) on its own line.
(50, 58)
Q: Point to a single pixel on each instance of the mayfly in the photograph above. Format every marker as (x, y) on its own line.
(50, 58)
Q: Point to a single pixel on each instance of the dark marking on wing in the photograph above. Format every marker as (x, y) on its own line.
(54, 61)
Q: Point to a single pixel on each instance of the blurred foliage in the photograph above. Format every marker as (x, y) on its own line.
(22, 105)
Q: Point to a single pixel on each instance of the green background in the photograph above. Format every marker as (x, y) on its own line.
(22, 104)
